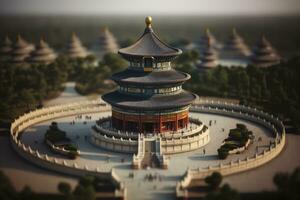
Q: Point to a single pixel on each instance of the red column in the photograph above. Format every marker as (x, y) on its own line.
(160, 123)
(186, 121)
(176, 122)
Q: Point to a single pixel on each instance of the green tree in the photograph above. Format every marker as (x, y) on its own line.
(26, 193)
(225, 193)
(7, 191)
(64, 188)
(114, 62)
(214, 180)
(84, 193)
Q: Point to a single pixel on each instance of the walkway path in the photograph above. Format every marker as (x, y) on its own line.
(69, 95)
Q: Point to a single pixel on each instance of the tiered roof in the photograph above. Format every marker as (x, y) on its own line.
(236, 44)
(155, 102)
(106, 43)
(264, 55)
(5, 49)
(208, 57)
(75, 49)
(206, 38)
(21, 50)
(42, 54)
(135, 77)
(149, 46)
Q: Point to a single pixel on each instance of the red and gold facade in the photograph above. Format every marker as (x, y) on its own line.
(145, 123)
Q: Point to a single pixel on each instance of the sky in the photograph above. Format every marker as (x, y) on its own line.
(151, 7)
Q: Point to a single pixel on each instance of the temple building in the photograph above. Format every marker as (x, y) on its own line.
(75, 49)
(208, 57)
(150, 110)
(5, 49)
(106, 43)
(150, 98)
(21, 50)
(43, 54)
(235, 46)
(264, 55)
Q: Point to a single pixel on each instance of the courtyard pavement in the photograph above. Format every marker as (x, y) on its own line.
(93, 156)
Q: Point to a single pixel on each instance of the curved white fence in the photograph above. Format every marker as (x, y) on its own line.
(51, 163)
(242, 112)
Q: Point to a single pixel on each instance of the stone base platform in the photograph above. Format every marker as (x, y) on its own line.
(194, 136)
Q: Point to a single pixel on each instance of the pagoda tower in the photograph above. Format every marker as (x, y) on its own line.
(21, 50)
(75, 49)
(208, 57)
(264, 55)
(206, 38)
(5, 49)
(43, 54)
(149, 98)
(236, 45)
(106, 43)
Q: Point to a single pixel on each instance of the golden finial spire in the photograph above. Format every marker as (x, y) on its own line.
(148, 21)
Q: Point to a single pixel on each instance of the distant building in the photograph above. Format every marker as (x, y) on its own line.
(206, 38)
(21, 50)
(264, 55)
(106, 43)
(43, 54)
(235, 47)
(208, 56)
(5, 49)
(75, 49)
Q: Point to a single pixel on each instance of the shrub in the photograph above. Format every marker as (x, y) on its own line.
(70, 147)
(64, 188)
(72, 154)
(54, 134)
(229, 145)
(223, 153)
(214, 180)
(241, 126)
(84, 193)
(235, 134)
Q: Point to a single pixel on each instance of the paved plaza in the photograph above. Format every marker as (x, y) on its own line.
(93, 157)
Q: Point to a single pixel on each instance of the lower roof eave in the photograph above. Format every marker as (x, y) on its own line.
(122, 101)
